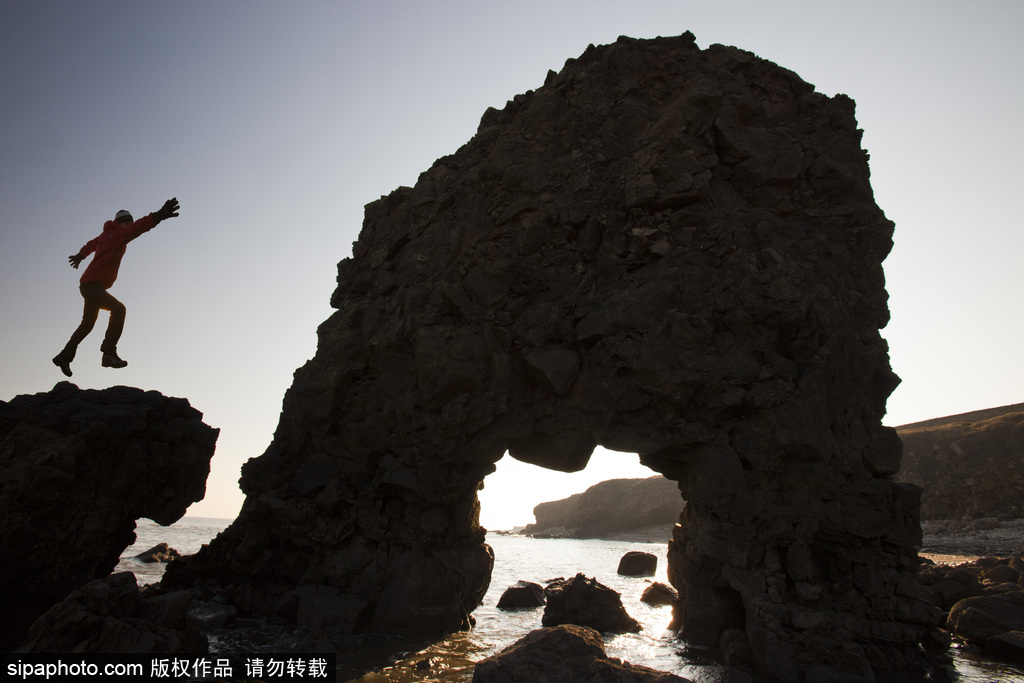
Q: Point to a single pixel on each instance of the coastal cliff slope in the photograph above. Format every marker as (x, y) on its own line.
(611, 508)
(969, 466)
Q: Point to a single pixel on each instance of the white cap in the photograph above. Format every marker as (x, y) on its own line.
(122, 214)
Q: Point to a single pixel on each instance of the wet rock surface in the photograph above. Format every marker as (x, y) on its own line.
(663, 250)
(563, 653)
(77, 468)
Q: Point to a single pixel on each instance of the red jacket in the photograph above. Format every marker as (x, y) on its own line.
(110, 247)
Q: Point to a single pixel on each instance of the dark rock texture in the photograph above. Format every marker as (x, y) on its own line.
(161, 552)
(659, 594)
(523, 595)
(560, 654)
(77, 468)
(635, 563)
(111, 615)
(586, 602)
(981, 602)
(991, 609)
(970, 466)
(945, 585)
(986, 616)
(611, 507)
(1008, 646)
(664, 250)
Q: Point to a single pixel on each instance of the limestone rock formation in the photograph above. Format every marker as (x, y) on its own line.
(666, 251)
(563, 653)
(969, 466)
(77, 468)
(611, 507)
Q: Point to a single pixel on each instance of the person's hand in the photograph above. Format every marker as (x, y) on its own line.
(75, 260)
(168, 210)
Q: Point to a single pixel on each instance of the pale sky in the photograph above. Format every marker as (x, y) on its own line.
(274, 123)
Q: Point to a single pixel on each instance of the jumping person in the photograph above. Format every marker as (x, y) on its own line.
(108, 248)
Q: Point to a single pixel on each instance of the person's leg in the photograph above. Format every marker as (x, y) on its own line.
(114, 328)
(90, 311)
(116, 324)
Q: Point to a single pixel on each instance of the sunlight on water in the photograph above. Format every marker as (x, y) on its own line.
(186, 536)
(540, 560)
(393, 659)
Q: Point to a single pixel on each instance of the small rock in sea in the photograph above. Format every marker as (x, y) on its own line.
(427, 664)
(659, 594)
(635, 563)
(159, 553)
(523, 595)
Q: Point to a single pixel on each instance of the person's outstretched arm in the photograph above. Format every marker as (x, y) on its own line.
(150, 221)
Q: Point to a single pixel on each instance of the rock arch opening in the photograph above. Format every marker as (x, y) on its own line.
(509, 496)
(665, 250)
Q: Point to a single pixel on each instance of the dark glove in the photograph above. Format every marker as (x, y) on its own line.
(168, 210)
(74, 260)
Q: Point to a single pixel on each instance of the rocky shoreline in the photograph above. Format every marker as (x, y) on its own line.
(973, 538)
(945, 541)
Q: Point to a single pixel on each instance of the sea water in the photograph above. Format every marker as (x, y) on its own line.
(377, 659)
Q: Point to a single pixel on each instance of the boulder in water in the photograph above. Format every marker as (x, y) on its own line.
(659, 594)
(161, 552)
(523, 595)
(586, 602)
(635, 563)
(983, 617)
(563, 653)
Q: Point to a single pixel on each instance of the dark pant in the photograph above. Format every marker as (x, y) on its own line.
(96, 297)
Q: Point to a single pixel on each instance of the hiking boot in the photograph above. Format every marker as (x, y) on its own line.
(63, 363)
(110, 360)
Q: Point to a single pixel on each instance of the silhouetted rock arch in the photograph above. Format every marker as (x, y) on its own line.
(666, 251)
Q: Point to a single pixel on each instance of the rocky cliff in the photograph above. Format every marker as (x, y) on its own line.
(77, 468)
(612, 507)
(969, 466)
(664, 250)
